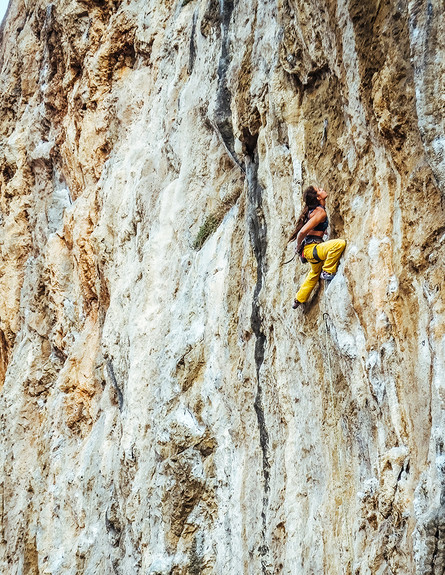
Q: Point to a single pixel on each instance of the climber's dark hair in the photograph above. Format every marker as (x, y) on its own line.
(311, 201)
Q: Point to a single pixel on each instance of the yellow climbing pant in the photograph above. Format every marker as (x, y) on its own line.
(329, 253)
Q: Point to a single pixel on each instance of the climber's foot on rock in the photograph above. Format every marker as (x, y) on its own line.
(326, 276)
(296, 304)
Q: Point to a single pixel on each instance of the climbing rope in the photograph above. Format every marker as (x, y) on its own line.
(338, 439)
(326, 318)
(289, 261)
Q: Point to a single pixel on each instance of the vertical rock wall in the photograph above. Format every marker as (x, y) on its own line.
(163, 410)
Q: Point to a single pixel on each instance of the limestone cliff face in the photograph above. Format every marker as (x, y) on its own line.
(163, 409)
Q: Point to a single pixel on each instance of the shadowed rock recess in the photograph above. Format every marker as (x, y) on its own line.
(163, 410)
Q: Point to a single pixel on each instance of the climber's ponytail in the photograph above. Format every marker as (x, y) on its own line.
(300, 223)
(311, 201)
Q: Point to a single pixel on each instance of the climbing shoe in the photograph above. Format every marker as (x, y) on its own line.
(326, 276)
(296, 304)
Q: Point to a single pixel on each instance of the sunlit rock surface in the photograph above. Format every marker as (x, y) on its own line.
(164, 411)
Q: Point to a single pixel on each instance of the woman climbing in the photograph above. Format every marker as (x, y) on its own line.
(323, 256)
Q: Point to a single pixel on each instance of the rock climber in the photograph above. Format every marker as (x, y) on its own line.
(323, 256)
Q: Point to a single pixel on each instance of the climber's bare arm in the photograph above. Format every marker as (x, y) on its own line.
(317, 217)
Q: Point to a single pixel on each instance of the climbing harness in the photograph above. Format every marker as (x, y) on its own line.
(312, 240)
(315, 255)
(308, 240)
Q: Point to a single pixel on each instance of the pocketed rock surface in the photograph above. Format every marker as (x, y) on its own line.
(163, 409)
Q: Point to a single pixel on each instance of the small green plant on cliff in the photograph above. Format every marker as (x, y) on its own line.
(208, 227)
(213, 220)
